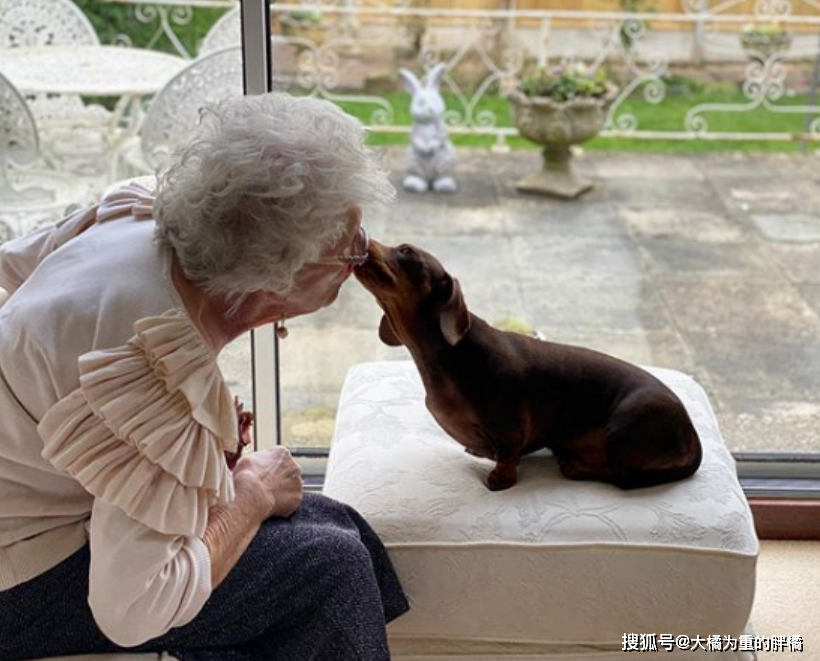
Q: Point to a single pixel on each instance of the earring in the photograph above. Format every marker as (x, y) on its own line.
(281, 331)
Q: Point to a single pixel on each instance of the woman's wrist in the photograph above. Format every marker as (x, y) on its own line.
(252, 498)
(230, 530)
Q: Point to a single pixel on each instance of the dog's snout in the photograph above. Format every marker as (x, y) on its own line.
(375, 249)
(378, 270)
(377, 252)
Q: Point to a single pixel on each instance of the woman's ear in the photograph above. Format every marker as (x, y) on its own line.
(387, 334)
(454, 318)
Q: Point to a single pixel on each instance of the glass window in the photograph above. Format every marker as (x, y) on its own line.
(694, 249)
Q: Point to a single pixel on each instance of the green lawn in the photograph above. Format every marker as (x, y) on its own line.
(668, 115)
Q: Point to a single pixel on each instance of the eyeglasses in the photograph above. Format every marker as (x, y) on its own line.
(355, 255)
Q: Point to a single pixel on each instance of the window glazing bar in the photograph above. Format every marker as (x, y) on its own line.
(264, 348)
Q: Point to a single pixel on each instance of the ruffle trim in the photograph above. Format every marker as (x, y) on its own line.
(148, 427)
(132, 199)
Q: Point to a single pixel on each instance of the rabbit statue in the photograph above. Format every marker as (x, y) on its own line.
(431, 159)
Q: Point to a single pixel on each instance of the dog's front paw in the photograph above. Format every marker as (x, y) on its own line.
(502, 477)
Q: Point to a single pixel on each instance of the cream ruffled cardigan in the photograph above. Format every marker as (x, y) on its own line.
(115, 419)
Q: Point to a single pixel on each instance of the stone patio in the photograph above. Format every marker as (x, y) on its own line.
(709, 264)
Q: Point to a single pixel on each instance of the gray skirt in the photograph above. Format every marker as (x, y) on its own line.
(315, 586)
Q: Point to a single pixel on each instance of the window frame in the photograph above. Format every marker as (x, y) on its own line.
(256, 64)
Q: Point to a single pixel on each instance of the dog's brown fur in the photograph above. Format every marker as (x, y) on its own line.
(502, 395)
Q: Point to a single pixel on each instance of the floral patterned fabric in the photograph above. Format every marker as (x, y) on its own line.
(550, 560)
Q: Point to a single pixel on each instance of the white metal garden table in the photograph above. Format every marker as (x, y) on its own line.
(130, 74)
(89, 70)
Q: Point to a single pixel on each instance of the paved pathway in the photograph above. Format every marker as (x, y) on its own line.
(705, 263)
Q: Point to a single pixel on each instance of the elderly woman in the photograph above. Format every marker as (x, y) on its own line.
(122, 527)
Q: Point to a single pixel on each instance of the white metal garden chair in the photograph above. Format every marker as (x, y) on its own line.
(226, 32)
(74, 135)
(32, 23)
(30, 194)
(174, 111)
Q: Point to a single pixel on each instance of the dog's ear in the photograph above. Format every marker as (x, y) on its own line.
(387, 334)
(454, 318)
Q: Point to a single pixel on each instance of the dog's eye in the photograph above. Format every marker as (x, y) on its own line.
(406, 250)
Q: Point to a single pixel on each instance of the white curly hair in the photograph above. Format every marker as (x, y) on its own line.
(264, 185)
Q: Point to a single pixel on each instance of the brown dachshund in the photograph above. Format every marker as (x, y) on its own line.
(502, 395)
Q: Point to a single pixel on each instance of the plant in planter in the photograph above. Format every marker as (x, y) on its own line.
(762, 40)
(556, 109)
(305, 25)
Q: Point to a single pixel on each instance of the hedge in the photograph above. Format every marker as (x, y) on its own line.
(112, 20)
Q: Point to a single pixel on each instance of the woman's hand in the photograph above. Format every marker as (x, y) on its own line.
(270, 481)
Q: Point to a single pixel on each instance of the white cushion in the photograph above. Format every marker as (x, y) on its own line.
(549, 561)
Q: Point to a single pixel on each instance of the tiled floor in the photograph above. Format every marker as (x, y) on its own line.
(786, 601)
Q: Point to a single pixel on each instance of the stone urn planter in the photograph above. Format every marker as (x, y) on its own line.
(760, 44)
(556, 126)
